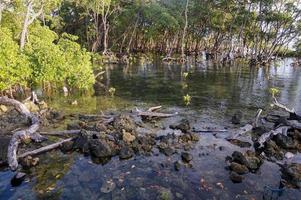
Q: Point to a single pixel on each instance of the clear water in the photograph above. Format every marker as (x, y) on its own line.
(216, 93)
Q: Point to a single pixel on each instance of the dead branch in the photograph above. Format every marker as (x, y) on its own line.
(279, 105)
(152, 109)
(44, 149)
(21, 135)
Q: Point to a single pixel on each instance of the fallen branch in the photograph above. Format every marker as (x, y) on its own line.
(44, 149)
(152, 109)
(266, 136)
(21, 135)
(279, 105)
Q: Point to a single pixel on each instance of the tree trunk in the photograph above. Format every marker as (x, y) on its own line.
(25, 27)
(185, 30)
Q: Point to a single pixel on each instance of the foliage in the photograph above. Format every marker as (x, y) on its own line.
(14, 66)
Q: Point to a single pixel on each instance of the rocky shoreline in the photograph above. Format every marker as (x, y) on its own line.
(126, 134)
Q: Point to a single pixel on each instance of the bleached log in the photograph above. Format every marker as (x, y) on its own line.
(45, 149)
(19, 136)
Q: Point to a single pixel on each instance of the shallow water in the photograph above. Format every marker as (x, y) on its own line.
(216, 91)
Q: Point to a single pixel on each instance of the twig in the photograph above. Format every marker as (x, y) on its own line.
(152, 109)
(279, 105)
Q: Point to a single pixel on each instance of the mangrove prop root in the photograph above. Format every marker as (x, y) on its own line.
(19, 136)
(45, 148)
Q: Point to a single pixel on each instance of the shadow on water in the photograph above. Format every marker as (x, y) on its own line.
(216, 92)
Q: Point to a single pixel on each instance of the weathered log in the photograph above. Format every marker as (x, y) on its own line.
(44, 149)
(19, 136)
(266, 136)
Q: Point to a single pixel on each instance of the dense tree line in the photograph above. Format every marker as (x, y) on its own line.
(44, 41)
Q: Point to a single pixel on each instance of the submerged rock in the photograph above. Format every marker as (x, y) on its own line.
(177, 165)
(18, 179)
(99, 148)
(292, 174)
(108, 186)
(238, 168)
(237, 117)
(126, 152)
(186, 157)
(184, 126)
(236, 178)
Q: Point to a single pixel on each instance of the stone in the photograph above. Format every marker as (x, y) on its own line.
(184, 126)
(99, 148)
(29, 162)
(127, 137)
(237, 117)
(108, 186)
(67, 146)
(18, 179)
(238, 168)
(177, 165)
(186, 157)
(239, 158)
(126, 153)
(168, 151)
(292, 174)
(236, 178)
(3, 108)
(289, 155)
(284, 141)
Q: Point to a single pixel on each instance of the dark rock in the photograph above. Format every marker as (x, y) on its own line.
(184, 126)
(99, 149)
(292, 174)
(168, 151)
(126, 153)
(126, 123)
(73, 126)
(194, 137)
(272, 150)
(236, 178)
(284, 141)
(238, 168)
(18, 179)
(67, 146)
(177, 165)
(253, 162)
(239, 158)
(82, 142)
(237, 117)
(186, 157)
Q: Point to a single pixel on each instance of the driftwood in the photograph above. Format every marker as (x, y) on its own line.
(19, 136)
(152, 109)
(279, 105)
(44, 149)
